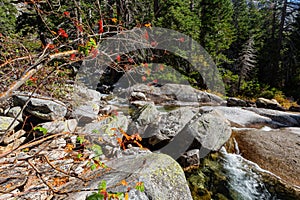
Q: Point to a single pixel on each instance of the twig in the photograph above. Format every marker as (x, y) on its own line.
(58, 169)
(32, 143)
(33, 69)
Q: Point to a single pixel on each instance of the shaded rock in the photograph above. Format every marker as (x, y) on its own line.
(235, 102)
(270, 104)
(163, 178)
(60, 126)
(41, 107)
(190, 158)
(277, 151)
(7, 123)
(294, 108)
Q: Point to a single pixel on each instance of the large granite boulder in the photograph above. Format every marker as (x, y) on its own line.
(286, 119)
(240, 117)
(276, 150)
(41, 107)
(175, 94)
(173, 132)
(162, 177)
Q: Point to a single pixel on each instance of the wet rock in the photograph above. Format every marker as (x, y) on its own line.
(41, 107)
(270, 104)
(276, 150)
(235, 102)
(163, 178)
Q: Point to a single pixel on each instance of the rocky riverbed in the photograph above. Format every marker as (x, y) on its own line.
(141, 139)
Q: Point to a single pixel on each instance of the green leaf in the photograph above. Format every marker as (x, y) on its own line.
(93, 166)
(80, 139)
(41, 129)
(79, 155)
(97, 149)
(140, 187)
(92, 43)
(102, 185)
(95, 196)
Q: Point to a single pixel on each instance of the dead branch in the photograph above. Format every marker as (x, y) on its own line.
(17, 84)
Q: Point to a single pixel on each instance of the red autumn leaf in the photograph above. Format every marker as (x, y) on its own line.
(155, 81)
(50, 46)
(94, 52)
(144, 78)
(181, 39)
(146, 35)
(33, 79)
(146, 65)
(62, 33)
(118, 58)
(78, 26)
(67, 14)
(72, 56)
(100, 23)
(153, 43)
(130, 60)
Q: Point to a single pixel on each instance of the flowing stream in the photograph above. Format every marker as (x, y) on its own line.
(244, 181)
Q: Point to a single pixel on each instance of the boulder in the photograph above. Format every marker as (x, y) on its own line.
(235, 102)
(275, 150)
(270, 104)
(170, 93)
(239, 117)
(173, 132)
(41, 107)
(162, 177)
(284, 119)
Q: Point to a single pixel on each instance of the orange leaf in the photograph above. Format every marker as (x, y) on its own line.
(69, 147)
(123, 182)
